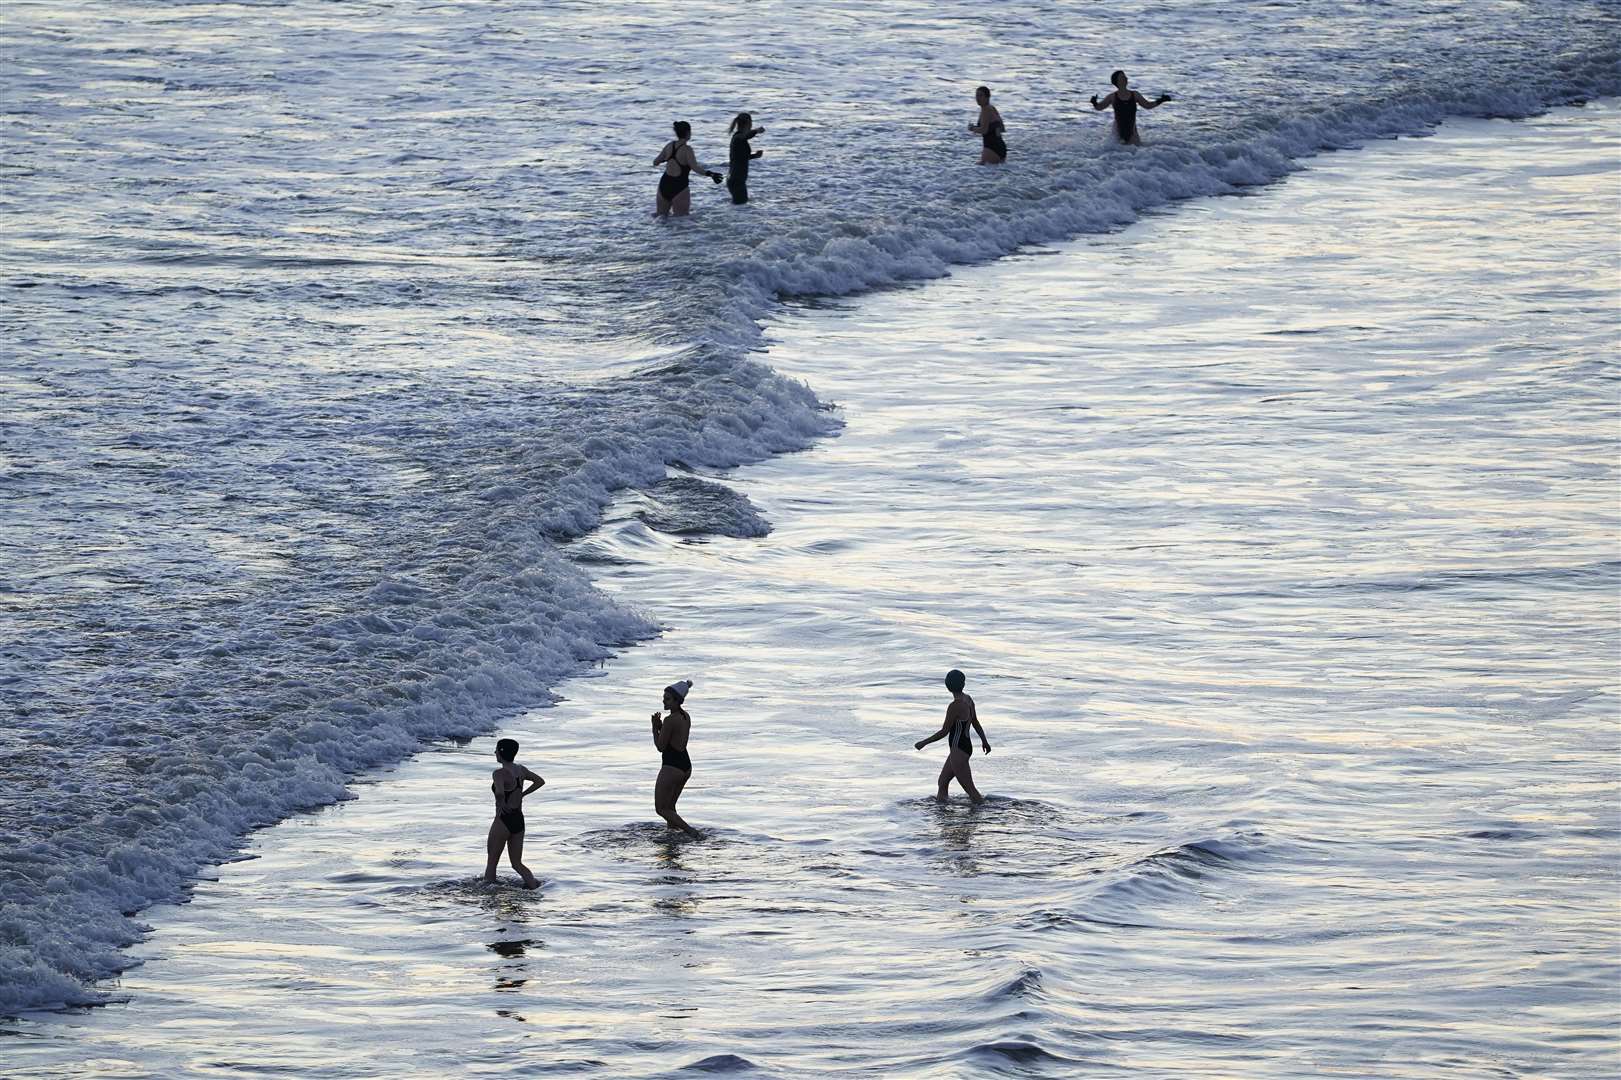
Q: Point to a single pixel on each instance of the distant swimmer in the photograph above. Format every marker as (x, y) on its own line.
(737, 172)
(506, 831)
(989, 128)
(678, 160)
(670, 737)
(1125, 102)
(960, 715)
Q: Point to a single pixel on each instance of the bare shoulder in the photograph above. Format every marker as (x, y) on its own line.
(527, 772)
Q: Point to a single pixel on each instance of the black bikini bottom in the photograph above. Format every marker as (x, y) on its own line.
(671, 186)
(513, 820)
(678, 759)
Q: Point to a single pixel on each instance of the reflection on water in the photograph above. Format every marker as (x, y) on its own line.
(1301, 690)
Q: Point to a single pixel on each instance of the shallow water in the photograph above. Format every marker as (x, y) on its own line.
(1277, 537)
(325, 325)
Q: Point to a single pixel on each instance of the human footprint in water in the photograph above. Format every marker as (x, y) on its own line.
(960, 714)
(506, 831)
(670, 736)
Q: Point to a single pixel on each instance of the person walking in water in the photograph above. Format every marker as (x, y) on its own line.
(960, 716)
(670, 736)
(989, 128)
(506, 831)
(1124, 101)
(737, 171)
(678, 160)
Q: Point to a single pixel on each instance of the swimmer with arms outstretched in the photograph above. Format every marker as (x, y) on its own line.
(506, 831)
(670, 735)
(960, 715)
(678, 160)
(1124, 101)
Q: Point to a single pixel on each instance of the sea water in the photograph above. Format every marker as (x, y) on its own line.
(1276, 535)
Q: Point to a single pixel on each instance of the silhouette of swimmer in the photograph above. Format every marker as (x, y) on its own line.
(989, 128)
(1125, 102)
(960, 714)
(670, 736)
(737, 171)
(678, 160)
(506, 831)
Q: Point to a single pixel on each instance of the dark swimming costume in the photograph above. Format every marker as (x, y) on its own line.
(511, 817)
(671, 186)
(992, 140)
(737, 171)
(960, 738)
(1125, 115)
(678, 759)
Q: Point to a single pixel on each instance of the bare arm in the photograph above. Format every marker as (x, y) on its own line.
(534, 778)
(661, 734)
(945, 728)
(1108, 100)
(696, 165)
(973, 718)
(664, 155)
(1156, 103)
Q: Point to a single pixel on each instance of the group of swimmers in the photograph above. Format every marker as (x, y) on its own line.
(671, 731)
(679, 160)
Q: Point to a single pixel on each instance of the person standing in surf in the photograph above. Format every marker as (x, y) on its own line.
(989, 128)
(1124, 101)
(506, 831)
(737, 171)
(960, 716)
(670, 735)
(678, 160)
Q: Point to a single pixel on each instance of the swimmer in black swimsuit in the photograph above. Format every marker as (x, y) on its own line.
(678, 160)
(989, 127)
(737, 172)
(506, 831)
(960, 716)
(1125, 102)
(670, 737)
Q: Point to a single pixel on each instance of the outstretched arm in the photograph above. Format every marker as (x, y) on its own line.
(698, 166)
(1108, 100)
(1156, 103)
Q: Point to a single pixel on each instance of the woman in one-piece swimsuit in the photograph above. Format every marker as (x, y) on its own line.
(506, 831)
(961, 716)
(989, 128)
(670, 735)
(1124, 101)
(678, 160)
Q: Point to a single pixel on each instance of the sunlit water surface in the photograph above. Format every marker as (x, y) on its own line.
(1277, 537)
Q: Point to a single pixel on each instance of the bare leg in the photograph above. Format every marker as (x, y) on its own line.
(944, 795)
(660, 206)
(958, 762)
(681, 205)
(497, 840)
(515, 854)
(666, 790)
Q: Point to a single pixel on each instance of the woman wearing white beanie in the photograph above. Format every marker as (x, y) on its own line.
(670, 735)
